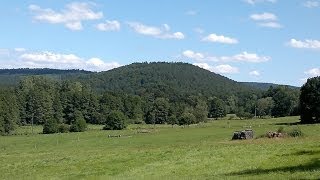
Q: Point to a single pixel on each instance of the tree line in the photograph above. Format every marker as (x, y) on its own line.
(62, 106)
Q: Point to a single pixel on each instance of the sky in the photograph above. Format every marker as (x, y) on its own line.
(276, 41)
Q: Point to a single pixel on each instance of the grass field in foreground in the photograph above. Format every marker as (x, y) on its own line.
(204, 151)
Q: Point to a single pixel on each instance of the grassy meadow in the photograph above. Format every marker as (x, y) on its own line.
(202, 151)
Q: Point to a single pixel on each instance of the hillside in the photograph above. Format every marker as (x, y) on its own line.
(164, 79)
(161, 79)
(11, 77)
(264, 86)
(139, 78)
(149, 92)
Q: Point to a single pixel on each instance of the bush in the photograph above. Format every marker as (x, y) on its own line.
(50, 126)
(63, 128)
(172, 120)
(79, 125)
(296, 132)
(115, 121)
(187, 119)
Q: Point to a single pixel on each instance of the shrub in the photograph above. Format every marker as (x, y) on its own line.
(115, 121)
(187, 119)
(296, 132)
(50, 126)
(79, 125)
(63, 128)
(172, 120)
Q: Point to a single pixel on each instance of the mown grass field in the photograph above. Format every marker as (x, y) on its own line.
(204, 151)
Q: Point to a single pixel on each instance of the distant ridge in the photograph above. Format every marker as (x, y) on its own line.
(40, 71)
(266, 86)
(11, 77)
(139, 78)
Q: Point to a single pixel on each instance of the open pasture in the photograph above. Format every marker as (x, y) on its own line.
(202, 151)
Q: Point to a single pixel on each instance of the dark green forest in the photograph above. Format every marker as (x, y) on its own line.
(153, 93)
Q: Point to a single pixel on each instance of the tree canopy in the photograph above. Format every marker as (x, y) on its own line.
(153, 93)
(310, 101)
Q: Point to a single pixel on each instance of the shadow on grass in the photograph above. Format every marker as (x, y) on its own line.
(303, 152)
(288, 124)
(313, 165)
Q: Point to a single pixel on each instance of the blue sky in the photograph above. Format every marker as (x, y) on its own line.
(274, 41)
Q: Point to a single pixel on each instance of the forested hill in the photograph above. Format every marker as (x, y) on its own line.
(161, 78)
(265, 86)
(43, 71)
(142, 92)
(11, 77)
(164, 79)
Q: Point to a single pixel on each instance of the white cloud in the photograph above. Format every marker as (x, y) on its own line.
(72, 16)
(193, 55)
(254, 73)
(270, 25)
(49, 57)
(241, 57)
(19, 49)
(220, 69)
(313, 72)
(162, 32)
(204, 66)
(145, 30)
(266, 20)
(58, 61)
(253, 2)
(96, 64)
(311, 4)
(225, 69)
(307, 44)
(109, 26)
(264, 17)
(76, 26)
(246, 57)
(4, 52)
(176, 35)
(220, 39)
(303, 80)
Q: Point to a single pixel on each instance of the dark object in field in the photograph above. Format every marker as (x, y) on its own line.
(246, 134)
(274, 134)
(111, 136)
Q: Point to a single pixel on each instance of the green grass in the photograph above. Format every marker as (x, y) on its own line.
(204, 151)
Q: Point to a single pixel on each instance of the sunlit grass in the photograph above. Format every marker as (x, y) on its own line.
(202, 151)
